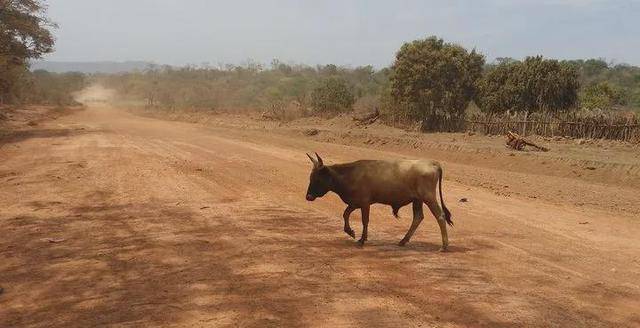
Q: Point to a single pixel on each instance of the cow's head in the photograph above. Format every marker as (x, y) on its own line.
(320, 181)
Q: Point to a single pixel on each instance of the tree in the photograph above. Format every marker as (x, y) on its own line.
(12, 82)
(53, 88)
(328, 70)
(332, 95)
(497, 91)
(624, 77)
(593, 67)
(24, 34)
(547, 85)
(535, 84)
(603, 95)
(434, 77)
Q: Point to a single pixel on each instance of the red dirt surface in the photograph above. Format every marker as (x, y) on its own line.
(110, 218)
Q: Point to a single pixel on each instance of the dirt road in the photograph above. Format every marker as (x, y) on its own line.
(107, 218)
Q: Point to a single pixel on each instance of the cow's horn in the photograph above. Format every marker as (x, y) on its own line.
(313, 160)
(319, 160)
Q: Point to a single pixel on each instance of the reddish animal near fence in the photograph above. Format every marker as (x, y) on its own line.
(396, 183)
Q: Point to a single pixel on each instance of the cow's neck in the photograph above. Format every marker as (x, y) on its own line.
(339, 185)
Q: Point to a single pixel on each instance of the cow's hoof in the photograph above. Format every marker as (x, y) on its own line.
(402, 243)
(351, 233)
(361, 242)
(443, 249)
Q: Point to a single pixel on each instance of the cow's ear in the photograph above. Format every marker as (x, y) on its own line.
(313, 160)
(319, 160)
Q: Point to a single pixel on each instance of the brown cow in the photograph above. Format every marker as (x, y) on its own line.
(395, 183)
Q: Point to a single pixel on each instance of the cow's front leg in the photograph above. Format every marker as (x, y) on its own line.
(365, 224)
(347, 226)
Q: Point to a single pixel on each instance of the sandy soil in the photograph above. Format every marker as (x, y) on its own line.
(110, 218)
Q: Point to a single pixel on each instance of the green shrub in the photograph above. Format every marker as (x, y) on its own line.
(535, 84)
(603, 95)
(332, 96)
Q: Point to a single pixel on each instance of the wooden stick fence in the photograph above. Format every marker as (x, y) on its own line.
(614, 126)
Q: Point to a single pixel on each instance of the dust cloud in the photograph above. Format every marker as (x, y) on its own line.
(96, 93)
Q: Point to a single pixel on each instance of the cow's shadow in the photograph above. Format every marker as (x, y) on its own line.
(383, 246)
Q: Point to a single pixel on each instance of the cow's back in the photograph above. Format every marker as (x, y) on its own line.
(393, 182)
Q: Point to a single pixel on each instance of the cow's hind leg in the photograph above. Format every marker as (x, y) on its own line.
(345, 216)
(365, 224)
(437, 212)
(418, 215)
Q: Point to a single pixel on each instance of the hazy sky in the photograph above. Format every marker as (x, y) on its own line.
(340, 32)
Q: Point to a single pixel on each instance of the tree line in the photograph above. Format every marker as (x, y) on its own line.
(322, 89)
(428, 78)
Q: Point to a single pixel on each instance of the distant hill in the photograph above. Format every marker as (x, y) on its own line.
(90, 67)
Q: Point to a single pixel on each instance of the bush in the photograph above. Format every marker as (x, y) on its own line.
(603, 96)
(54, 88)
(536, 84)
(332, 96)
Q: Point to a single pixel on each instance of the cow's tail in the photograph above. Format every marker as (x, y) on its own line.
(447, 214)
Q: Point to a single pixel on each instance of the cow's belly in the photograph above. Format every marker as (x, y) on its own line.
(394, 195)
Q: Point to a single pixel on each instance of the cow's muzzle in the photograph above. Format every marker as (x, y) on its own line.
(311, 197)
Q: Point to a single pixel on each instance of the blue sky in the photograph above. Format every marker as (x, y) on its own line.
(340, 32)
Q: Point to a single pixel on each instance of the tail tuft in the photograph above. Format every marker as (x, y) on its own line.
(447, 215)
